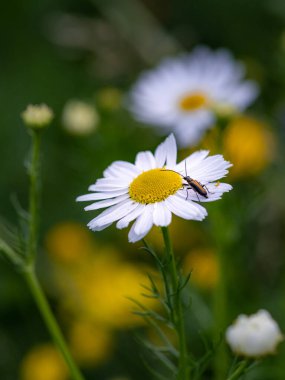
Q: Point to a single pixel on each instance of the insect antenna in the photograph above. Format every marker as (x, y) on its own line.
(185, 168)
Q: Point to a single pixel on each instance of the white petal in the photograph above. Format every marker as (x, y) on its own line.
(99, 228)
(210, 169)
(219, 187)
(124, 222)
(145, 161)
(106, 203)
(113, 182)
(190, 128)
(144, 222)
(109, 186)
(191, 162)
(98, 196)
(121, 169)
(160, 155)
(142, 225)
(171, 151)
(166, 152)
(184, 208)
(133, 237)
(244, 94)
(215, 191)
(112, 214)
(161, 215)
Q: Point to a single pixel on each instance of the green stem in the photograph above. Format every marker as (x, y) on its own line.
(183, 371)
(239, 371)
(222, 235)
(50, 321)
(34, 175)
(29, 265)
(221, 316)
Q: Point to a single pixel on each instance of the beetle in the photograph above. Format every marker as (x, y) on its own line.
(193, 184)
(196, 186)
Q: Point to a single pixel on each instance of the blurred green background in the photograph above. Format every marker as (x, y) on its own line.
(54, 51)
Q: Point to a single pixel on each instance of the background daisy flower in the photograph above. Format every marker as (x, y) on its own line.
(184, 94)
(153, 188)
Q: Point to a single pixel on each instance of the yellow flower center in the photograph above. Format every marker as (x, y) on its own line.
(193, 101)
(155, 185)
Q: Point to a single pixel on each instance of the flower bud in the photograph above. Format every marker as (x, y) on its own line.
(37, 116)
(79, 118)
(254, 335)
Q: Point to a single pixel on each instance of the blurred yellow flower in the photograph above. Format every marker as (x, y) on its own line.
(249, 145)
(79, 118)
(43, 362)
(68, 242)
(98, 289)
(204, 267)
(89, 344)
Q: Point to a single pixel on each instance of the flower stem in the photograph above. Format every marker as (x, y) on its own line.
(221, 316)
(50, 321)
(28, 268)
(177, 307)
(34, 174)
(239, 371)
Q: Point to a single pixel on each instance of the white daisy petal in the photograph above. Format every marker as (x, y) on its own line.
(191, 128)
(125, 221)
(210, 169)
(166, 152)
(145, 161)
(171, 150)
(184, 208)
(145, 221)
(112, 214)
(142, 225)
(106, 203)
(245, 94)
(113, 182)
(161, 215)
(108, 186)
(98, 196)
(99, 228)
(219, 187)
(121, 169)
(133, 237)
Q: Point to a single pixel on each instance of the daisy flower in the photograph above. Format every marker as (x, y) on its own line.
(185, 94)
(153, 188)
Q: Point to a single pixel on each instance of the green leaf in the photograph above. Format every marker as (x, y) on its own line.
(159, 354)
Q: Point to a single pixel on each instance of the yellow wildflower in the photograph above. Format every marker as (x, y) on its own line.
(89, 344)
(98, 289)
(68, 242)
(249, 145)
(43, 362)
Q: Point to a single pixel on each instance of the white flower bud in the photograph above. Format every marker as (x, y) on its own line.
(79, 118)
(254, 335)
(37, 116)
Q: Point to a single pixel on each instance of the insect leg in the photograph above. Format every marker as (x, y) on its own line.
(205, 187)
(191, 188)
